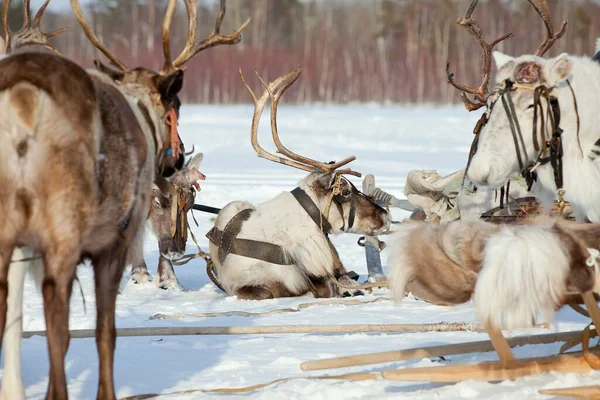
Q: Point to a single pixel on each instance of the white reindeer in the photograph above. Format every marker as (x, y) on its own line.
(534, 100)
(281, 247)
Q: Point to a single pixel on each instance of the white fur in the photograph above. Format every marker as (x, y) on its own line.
(524, 272)
(401, 270)
(281, 221)
(495, 160)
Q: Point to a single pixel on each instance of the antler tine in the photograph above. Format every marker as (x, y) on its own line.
(92, 37)
(213, 39)
(541, 7)
(166, 36)
(5, 8)
(30, 32)
(275, 97)
(481, 93)
(259, 105)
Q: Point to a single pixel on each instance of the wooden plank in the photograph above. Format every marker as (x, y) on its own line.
(434, 351)
(493, 370)
(583, 392)
(372, 254)
(592, 308)
(274, 329)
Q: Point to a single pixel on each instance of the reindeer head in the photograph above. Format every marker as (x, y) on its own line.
(171, 201)
(517, 127)
(344, 207)
(161, 89)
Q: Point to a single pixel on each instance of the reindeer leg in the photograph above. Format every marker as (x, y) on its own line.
(108, 270)
(60, 263)
(166, 274)
(6, 251)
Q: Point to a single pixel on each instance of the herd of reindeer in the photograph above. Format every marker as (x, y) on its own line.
(93, 156)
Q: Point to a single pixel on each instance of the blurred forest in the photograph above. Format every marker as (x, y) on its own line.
(350, 50)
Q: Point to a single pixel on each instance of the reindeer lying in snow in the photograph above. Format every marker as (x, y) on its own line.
(171, 201)
(281, 247)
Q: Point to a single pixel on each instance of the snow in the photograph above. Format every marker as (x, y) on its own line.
(388, 141)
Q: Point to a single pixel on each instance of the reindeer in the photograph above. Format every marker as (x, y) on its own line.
(171, 201)
(82, 149)
(540, 122)
(281, 248)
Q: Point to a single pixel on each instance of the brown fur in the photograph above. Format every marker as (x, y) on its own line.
(62, 201)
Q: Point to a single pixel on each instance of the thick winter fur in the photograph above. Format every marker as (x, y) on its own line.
(57, 123)
(184, 184)
(496, 160)
(284, 222)
(529, 270)
(437, 263)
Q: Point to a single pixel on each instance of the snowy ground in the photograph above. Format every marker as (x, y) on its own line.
(388, 142)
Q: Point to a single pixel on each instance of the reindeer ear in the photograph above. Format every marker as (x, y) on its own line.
(170, 85)
(196, 161)
(501, 59)
(561, 69)
(113, 73)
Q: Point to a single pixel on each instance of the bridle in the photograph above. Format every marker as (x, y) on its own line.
(551, 149)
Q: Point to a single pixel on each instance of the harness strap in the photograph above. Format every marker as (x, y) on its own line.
(312, 210)
(228, 243)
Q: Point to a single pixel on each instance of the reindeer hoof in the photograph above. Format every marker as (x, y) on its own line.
(140, 277)
(169, 284)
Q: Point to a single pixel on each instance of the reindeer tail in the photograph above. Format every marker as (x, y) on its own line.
(524, 272)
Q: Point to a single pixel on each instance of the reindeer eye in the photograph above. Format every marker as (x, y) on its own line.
(530, 106)
(346, 192)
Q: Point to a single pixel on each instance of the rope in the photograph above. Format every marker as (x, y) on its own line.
(298, 308)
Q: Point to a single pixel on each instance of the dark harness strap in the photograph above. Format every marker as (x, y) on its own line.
(228, 243)
(312, 210)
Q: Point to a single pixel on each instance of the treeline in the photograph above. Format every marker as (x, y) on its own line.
(350, 50)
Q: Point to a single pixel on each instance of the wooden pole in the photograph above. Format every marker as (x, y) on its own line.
(493, 370)
(433, 351)
(583, 392)
(500, 345)
(592, 309)
(274, 329)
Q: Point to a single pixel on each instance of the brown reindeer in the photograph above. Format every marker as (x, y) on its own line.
(80, 155)
(171, 201)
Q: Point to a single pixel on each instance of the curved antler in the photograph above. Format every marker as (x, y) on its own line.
(275, 90)
(324, 167)
(215, 38)
(30, 32)
(481, 93)
(541, 7)
(92, 37)
(259, 105)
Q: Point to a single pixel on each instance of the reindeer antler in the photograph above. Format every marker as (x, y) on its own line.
(30, 32)
(92, 37)
(481, 93)
(215, 38)
(541, 7)
(275, 90)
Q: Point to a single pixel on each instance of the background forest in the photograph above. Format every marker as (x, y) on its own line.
(350, 50)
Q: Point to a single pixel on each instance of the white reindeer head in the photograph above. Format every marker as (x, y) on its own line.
(507, 138)
(507, 143)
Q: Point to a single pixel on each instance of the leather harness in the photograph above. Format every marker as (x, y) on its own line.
(228, 242)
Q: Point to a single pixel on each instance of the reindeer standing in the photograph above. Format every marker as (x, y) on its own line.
(281, 247)
(81, 155)
(171, 201)
(541, 122)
